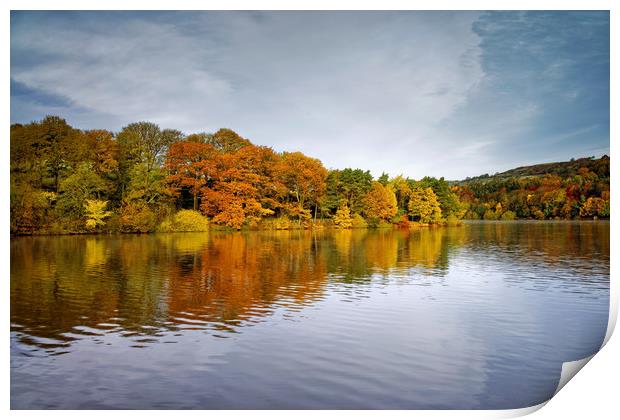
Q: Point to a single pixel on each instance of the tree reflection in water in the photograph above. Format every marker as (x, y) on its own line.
(66, 288)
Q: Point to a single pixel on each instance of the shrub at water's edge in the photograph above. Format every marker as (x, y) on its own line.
(185, 221)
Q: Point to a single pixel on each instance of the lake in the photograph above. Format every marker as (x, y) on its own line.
(479, 316)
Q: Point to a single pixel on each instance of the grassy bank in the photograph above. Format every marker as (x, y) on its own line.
(191, 221)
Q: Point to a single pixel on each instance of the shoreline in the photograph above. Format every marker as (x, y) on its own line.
(223, 229)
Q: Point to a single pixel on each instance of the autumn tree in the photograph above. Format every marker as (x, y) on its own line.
(448, 200)
(191, 164)
(234, 197)
(380, 203)
(342, 218)
(226, 140)
(55, 140)
(96, 213)
(423, 205)
(100, 147)
(402, 190)
(42, 153)
(27, 169)
(595, 207)
(552, 202)
(137, 217)
(304, 180)
(185, 221)
(26, 158)
(605, 212)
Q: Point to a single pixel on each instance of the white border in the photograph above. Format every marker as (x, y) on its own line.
(595, 386)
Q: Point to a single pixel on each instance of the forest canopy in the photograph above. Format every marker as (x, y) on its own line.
(145, 179)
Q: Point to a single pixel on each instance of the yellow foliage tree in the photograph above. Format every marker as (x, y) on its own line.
(185, 221)
(594, 207)
(401, 188)
(380, 203)
(342, 218)
(96, 213)
(423, 205)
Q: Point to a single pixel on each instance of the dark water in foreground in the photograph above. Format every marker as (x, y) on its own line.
(479, 316)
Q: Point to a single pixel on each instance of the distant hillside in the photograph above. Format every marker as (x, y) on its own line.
(575, 189)
(562, 169)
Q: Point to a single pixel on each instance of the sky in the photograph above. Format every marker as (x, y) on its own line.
(450, 94)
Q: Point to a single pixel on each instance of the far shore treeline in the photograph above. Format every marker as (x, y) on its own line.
(147, 179)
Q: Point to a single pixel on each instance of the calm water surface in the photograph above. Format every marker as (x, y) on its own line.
(478, 316)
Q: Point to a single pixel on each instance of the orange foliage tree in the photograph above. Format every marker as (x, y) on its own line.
(304, 180)
(234, 196)
(191, 164)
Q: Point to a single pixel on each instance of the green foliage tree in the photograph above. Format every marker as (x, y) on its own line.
(354, 184)
(402, 190)
(146, 185)
(331, 200)
(142, 148)
(448, 200)
(384, 179)
(348, 186)
(56, 138)
(84, 184)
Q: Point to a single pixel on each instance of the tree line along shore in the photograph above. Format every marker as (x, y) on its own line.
(147, 179)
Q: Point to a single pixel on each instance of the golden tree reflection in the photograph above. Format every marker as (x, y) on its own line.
(382, 251)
